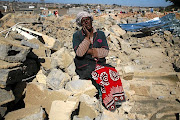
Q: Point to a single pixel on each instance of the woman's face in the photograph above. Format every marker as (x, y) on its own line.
(87, 22)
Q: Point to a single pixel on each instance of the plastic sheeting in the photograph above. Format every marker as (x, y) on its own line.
(168, 22)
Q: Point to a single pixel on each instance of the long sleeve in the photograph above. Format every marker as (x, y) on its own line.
(102, 52)
(83, 47)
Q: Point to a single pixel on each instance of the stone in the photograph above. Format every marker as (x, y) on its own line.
(157, 40)
(61, 110)
(51, 42)
(128, 72)
(6, 96)
(33, 113)
(2, 112)
(62, 59)
(38, 95)
(81, 87)
(6, 65)
(85, 118)
(131, 20)
(107, 33)
(140, 90)
(10, 76)
(41, 52)
(176, 40)
(123, 21)
(71, 69)
(88, 106)
(28, 44)
(5, 19)
(115, 42)
(116, 29)
(57, 79)
(126, 48)
(12, 51)
(45, 62)
(41, 78)
(167, 33)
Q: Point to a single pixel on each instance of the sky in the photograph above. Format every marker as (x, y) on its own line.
(142, 3)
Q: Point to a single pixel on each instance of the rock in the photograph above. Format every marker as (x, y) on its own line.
(40, 52)
(12, 51)
(71, 69)
(62, 58)
(141, 90)
(41, 78)
(115, 42)
(107, 33)
(126, 48)
(128, 72)
(167, 33)
(117, 30)
(131, 20)
(88, 107)
(33, 113)
(123, 21)
(37, 95)
(61, 110)
(57, 79)
(6, 65)
(177, 65)
(52, 43)
(6, 96)
(2, 112)
(141, 19)
(5, 19)
(28, 44)
(157, 40)
(176, 40)
(81, 87)
(10, 76)
(85, 118)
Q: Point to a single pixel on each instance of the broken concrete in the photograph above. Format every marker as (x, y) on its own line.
(34, 113)
(81, 87)
(62, 59)
(12, 51)
(37, 95)
(57, 113)
(57, 79)
(6, 96)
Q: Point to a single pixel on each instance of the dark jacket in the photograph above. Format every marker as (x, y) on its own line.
(86, 64)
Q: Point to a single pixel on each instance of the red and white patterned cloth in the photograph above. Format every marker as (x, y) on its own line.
(111, 86)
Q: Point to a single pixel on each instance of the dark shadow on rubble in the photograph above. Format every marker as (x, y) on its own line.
(41, 60)
(75, 112)
(41, 39)
(177, 116)
(141, 35)
(177, 69)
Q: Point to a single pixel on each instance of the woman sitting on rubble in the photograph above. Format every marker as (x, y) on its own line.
(91, 48)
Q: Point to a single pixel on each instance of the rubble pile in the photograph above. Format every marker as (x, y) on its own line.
(38, 79)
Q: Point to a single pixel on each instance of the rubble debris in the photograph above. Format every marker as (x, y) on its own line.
(12, 51)
(43, 82)
(6, 96)
(33, 113)
(57, 113)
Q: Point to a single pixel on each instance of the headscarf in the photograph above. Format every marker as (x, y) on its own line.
(82, 14)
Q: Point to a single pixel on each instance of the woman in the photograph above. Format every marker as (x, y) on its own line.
(91, 48)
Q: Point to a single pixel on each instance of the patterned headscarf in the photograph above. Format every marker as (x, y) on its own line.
(82, 14)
